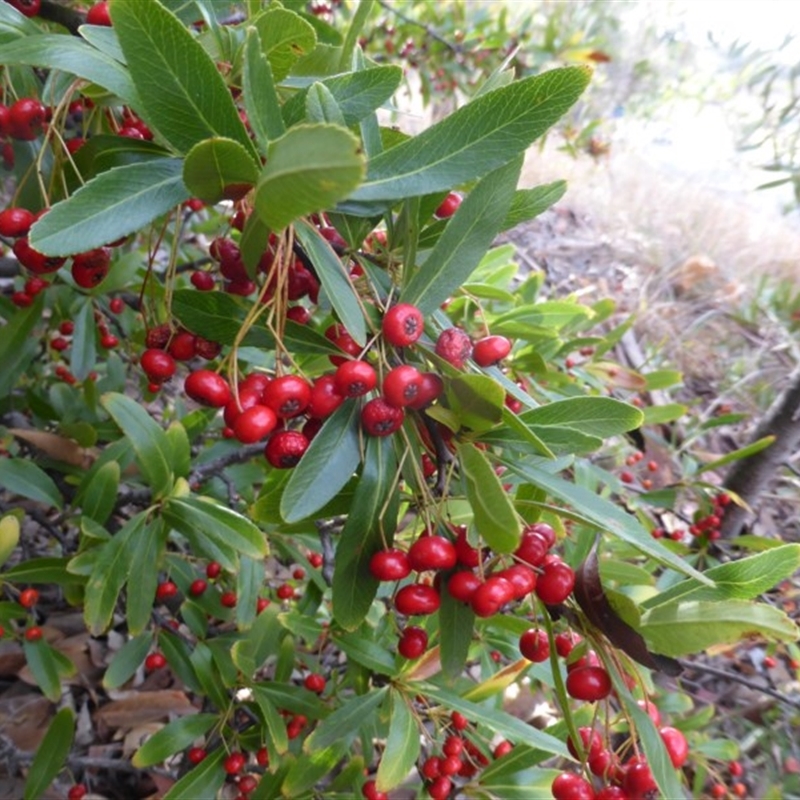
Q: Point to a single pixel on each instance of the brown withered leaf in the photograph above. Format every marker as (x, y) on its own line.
(139, 708)
(59, 448)
(592, 599)
(24, 717)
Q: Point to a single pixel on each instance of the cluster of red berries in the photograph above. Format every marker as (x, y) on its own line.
(627, 476)
(705, 528)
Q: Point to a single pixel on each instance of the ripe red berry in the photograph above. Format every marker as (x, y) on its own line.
(314, 683)
(33, 260)
(15, 222)
(534, 645)
(234, 763)
(89, 269)
(431, 386)
(33, 634)
(262, 603)
(402, 385)
(490, 350)
(197, 587)
(638, 780)
(246, 785)
(431, 768)
(166, 590)
(381, 419)
(285, 591)
(440, 788)
(254, 424)
(491, 596)
(521, 577)
(448, 206)
(26, 119)
(390, 565)
(676, 745)
(98, 14)
(403, 325)
(459, 721)
(108, 341)
(355, 378)
(568, 786)
(183, 346)
(213, 569)
(432, 552)
(532, 548)
(202, 281)
(207, 388)
(196, 754)
(154, 661)
(417, 599)
(591, 743)
(158, 365)
(502, 748)
(28, 598)
(29, 8)
(116, 305)
(454, 346)
(462, 585)
(262, 757)
(288, 395)
(285, 448)
(228, 599)
(588, 683)
(344, 341)
(555, 583)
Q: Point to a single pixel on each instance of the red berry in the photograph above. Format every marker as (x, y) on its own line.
(35, 285)
(568, 786)
(234, 763)
(213, 569)
(315, 559)
(98, 14)
(109, 341)
(33, 260)
(588, 683)
(381, 419)
(735, 768)
(28, 8)
(116, 305)
(448, 206)
(565, 642)
(592, 744)
(166, 590)
(183, 346)
(555, 583)
(158, 365)
(431, 386)
(413, 642)
(28, 598)
(228, 599)
(503, 748)
(314, 683)
(431, 768)
(491, 596)
(154, 661)
(325, 397)
(288, 395)
(202, 281)
(285, 591)
(196, 754)
(197, 587)
(432, 552)
(390, 565)
(440, 788)
(451, 765)
(638, 780)
(285, 448)
(262, 603)
(521, 577)
(77, 791)
(15, 222)
(402, 385)
(490, 350)
(26, 119)
(459, 721)
(676, 745)
(611, 793)
(417, 599)
(247, 784)
(403, 325)
(89, 269)
(33, 634)
(21, 299)
(299, 314)
(462, 585)
(158, 337)
(344, 341)
(355, 378)
(454, 346)
(262, 757)
(207, 388)
(534, 645)
(254, 424)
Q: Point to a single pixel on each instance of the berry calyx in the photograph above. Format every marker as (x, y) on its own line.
(402, 325)
(378, 418)
(355, 378)
(285, 449)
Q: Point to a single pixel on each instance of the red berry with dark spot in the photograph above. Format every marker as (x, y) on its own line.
(381, 419)
(26, 119)
(638, 780)
(207, 388)
(89, 269)
(285, 448)
(355, 378)
(401, 385)
(431, 386)
(288, 395)
(33, 260)
(454, 346)
(490, 350)
(403, 325)
(390, 565)
(417, 599)
(254, 424)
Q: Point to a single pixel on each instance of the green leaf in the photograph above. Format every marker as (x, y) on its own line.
(596, 416)
(308, 169)
(477, 401)
(354, 588)
(99, 495)
(517, 783)
(744, 579)
(75, 56)
(217, 523)
(44, 667)
(737, 455)
(144, 558)
(84, 348)
(260, 97)
(334, 279)
(9, 536)
(332, 457)
(24, 478)
(357, 94)
(285, 36)
(49, 569)
(275, 723)
(604, 515)
(182, 93)
(494, 514)
(321, 106)
(668, 412)
(201, 782)
(13, 24)
(115, 204)
(179, 449)
(402, 742)
(476, 139)
(293, 698)
(219, 169)
(308, 770)
(499, 722)
(345, 721)
(456, 628)
(529, 203)
(149, 441)
(681, 628)
(51, 754)
(127, 660)
(554, 314)
(17, 346)
(365, 652)
(465, 240)
(172, 738)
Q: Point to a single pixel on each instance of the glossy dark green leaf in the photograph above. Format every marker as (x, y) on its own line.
(217, 523)
(402, 743)
(73, 55)
(172, 738)
(285, 37)
(144, 558)
(249, 580)
(334, 279)
(127, 660)
(495, 517)
(307, 770)
(363, 534)
(260, 97)
(275, 723)
(596, 416)
(99, 495)
(147, 438)
(115, 204)
(24, 478)
(48, 569)
(219, 169)
(182, 93)
(345, 721)
(456, 629)
(293, 698)
(465, 240)
(17, 346)
(477, 401)
(51, 755)
(201, 782)
(44, 666)
(363, 651)
(309, 168)
(476, 139)
(83, 353)
(529, 203)
(326, 466)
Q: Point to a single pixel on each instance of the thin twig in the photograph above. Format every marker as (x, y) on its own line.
(429, 31)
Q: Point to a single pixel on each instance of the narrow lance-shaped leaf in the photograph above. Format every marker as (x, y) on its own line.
(402, 743)
(144, 555)
(345, 721)
(175, 736)
(51, 754)
(182, 93)
(83, 353)
(260, 98)
(17, 347)
(201, 782)
(465, 240)
(529, 203)
(43, 665)
(116, 203)
(26, 479)
(456, 628)
(476, 139)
